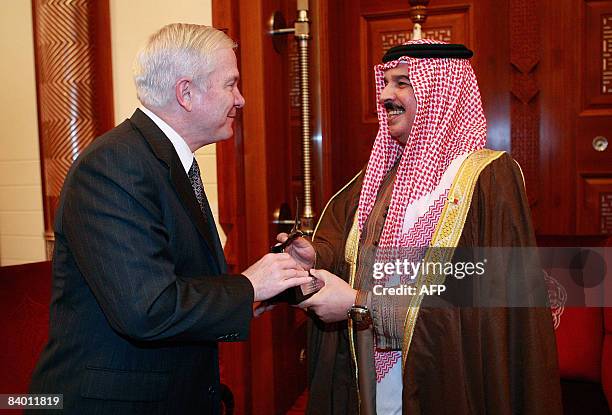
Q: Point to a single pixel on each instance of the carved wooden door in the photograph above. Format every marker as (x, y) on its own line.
(594, 118)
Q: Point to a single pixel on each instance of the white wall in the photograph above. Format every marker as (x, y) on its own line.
(21, 215)
(131, 24)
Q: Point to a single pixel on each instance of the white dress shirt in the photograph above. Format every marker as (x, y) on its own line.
(179, 144)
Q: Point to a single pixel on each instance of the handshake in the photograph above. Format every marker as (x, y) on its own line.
(276, 272)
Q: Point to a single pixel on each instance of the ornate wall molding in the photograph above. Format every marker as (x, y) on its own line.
(606, 54)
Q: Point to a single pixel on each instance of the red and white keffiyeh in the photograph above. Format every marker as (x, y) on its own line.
(449, 124)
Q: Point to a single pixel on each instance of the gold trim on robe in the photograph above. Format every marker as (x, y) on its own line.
(447, 234)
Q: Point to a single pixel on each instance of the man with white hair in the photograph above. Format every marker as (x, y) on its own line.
(140, 291)
(430, 192)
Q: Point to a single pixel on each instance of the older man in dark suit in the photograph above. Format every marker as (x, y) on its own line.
(140, 295)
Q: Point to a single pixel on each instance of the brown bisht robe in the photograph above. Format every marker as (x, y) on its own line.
(461, 360)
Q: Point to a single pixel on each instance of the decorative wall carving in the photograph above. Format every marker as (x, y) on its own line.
(67, 111)
(394, 38)
(605, 212)
(73, 69)
(596, 63)
(442, 33)
(525, 110)
(606, 54)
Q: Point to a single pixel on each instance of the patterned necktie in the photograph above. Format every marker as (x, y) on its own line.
(198, 187)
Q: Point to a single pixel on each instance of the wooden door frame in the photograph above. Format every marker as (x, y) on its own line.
(234, 357)
(244, 166)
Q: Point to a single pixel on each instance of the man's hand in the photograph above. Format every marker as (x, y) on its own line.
(273, 274)
(333, 301)
(301, 250)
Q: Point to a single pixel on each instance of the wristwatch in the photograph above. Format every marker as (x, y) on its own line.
(360, 315)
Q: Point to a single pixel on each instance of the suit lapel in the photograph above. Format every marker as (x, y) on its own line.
(164, 151)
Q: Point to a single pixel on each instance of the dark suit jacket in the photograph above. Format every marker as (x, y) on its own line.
(139, 297)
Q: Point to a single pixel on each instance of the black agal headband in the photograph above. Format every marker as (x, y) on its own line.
(428, 50)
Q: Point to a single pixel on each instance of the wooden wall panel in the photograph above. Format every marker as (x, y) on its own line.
(256, 167)
(322, 63)
(490, 28)
(597, 67)
(595, 203)
(594, 120)
(558, 80)
(234, 358)
(591, 129)
(281, 139)
(258, 171)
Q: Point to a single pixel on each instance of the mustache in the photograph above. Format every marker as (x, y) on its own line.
(390, 106)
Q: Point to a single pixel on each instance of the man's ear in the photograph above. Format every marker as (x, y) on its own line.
(183, 90)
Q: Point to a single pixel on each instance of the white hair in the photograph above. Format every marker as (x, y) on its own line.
(176, 50)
